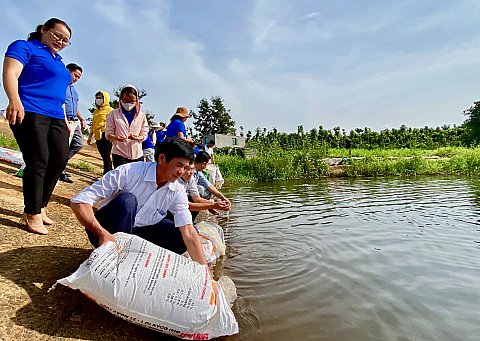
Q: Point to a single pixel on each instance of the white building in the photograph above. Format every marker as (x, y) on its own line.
(222, 140)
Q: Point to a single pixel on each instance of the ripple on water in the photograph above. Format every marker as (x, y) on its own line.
(351, 260)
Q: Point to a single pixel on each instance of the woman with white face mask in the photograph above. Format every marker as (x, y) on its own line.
(97, 129)
(126, 128)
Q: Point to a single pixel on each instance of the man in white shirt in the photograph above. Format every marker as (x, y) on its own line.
(209, 150)
(196, 202)
(135, 198)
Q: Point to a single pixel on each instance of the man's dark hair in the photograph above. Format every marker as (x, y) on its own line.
(174, 147)
(74, 67)
(211, 142)
(202, 157)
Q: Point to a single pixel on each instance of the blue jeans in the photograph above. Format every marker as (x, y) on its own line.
(119, 216)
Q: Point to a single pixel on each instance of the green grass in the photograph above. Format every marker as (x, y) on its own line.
(275, 164)
(83, 166)
(8, 142)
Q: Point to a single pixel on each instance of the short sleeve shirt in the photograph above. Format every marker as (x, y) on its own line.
(201, 180)
(139, 178)
(175, 127)
(44, 79)
(71, 102)
(190, 187)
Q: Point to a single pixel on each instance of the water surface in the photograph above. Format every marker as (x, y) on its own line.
(339, 259)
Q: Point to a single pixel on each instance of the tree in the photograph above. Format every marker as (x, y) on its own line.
(472, 124)
(150, 116)
(213, 118)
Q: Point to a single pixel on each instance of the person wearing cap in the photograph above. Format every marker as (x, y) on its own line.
(161, 133)
(176, 127)
(148, 146)
(126, 128)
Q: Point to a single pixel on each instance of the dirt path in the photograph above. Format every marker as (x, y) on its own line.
(30, 264)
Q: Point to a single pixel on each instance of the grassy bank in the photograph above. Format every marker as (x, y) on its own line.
(8, 142)
(284, 165)
(276, 164)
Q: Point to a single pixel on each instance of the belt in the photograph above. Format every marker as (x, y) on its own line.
(73, 119)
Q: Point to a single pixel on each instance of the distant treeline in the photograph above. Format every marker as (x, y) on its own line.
(362, 138)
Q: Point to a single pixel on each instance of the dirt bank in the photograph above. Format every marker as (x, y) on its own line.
(30, 264)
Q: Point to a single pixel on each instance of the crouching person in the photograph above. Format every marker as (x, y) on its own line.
(135, 198)
(205, 188)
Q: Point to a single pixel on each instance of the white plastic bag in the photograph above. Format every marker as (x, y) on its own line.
(214, 233)
(155, 288)
(11, 156)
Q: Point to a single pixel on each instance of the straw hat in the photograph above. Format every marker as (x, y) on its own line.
(182, 112)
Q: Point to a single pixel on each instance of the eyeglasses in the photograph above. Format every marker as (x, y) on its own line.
(60, 39)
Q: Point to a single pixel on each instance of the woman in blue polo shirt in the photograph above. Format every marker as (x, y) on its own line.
(176, 127)
(35, 81)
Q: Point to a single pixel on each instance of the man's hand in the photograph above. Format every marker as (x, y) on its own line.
(83, 125)
(223, 205)
(108, 237)
(227, 203)
(213, 211)
(15, 112)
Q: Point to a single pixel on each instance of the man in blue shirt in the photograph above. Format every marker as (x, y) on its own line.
(205, 187)
(73, 115)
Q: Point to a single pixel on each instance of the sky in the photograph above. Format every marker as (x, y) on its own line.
(276, 64)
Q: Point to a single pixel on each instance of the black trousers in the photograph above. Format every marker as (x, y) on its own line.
(119, 216)
(120, 160)
(104, 147)
(43, 142)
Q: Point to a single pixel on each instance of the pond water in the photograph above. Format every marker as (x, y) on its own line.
(340, 259)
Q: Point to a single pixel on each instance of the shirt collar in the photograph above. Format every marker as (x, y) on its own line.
(151, 176)
(39, 44)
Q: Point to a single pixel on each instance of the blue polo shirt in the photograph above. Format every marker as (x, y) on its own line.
(44, 79)
(161, 135)
(71, 102)
(176, 126)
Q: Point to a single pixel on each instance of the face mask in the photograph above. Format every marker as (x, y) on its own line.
(128, 106)
(98, 101)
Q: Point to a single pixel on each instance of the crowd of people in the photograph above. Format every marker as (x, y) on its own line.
(152, 183)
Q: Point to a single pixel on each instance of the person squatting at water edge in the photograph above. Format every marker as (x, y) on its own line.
(73, 116)
(35, 81)
(196, 202)
(135, 198)
(176, 127)
(205, 187)
(127, 127)
(97, 129)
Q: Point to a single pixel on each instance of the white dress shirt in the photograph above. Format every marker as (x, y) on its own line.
(190, 186)
(139, 178)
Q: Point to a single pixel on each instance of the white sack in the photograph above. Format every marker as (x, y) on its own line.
(155, 288)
